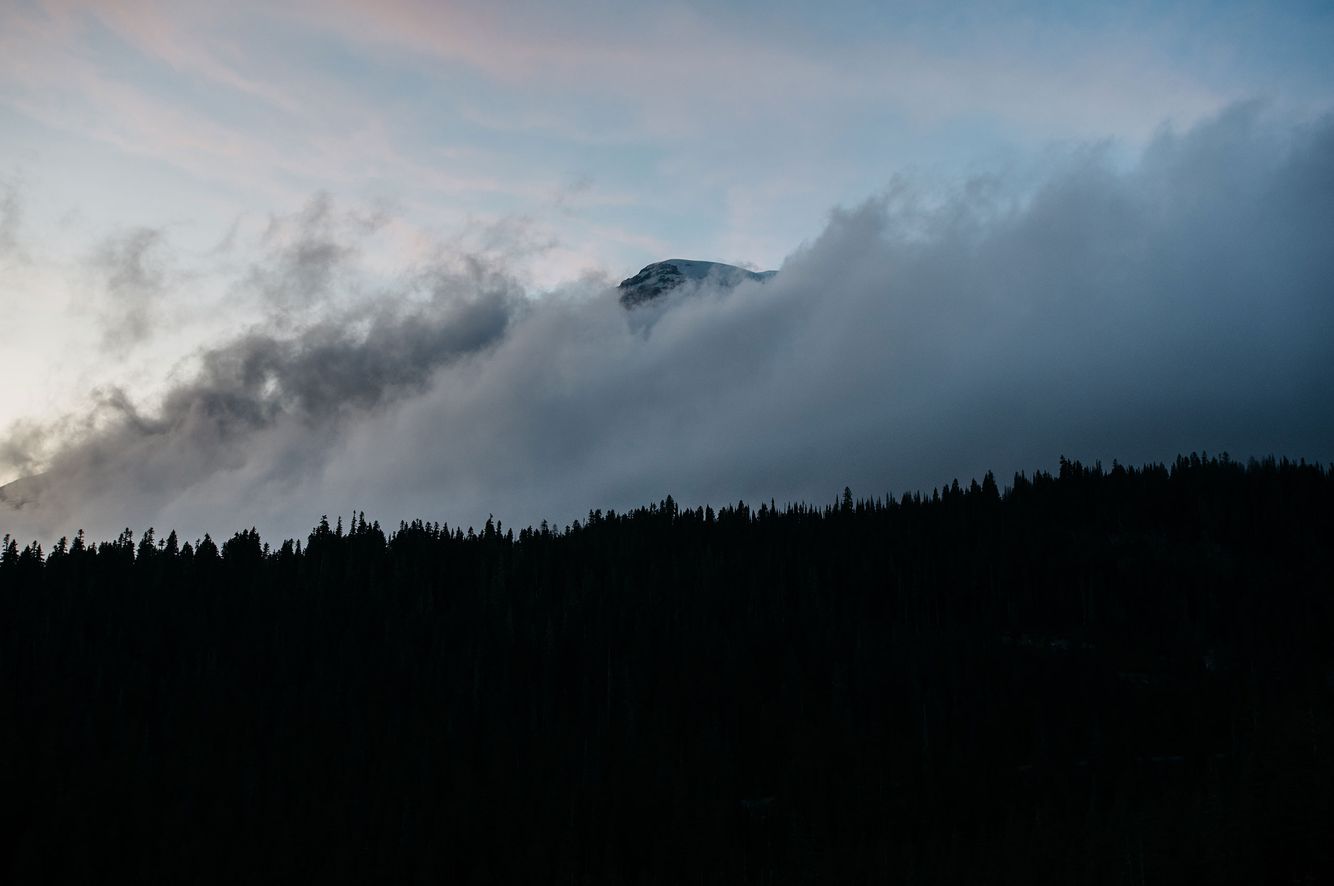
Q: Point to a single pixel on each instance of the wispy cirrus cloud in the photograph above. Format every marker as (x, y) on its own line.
(675, 71)
(486, 112)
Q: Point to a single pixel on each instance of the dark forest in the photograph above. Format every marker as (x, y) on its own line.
(1119, 675)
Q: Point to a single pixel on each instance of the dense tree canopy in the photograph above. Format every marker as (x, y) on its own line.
(1116, 676)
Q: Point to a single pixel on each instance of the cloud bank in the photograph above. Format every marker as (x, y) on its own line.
(1183, 303)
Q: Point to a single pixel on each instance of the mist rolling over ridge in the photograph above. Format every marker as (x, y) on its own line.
(1177, 304)
(1134, 311)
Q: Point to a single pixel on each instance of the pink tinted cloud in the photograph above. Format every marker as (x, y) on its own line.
(54, 79)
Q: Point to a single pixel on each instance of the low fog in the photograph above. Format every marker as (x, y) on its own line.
(1184, 301)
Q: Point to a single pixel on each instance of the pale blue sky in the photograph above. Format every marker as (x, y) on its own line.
(624, 130)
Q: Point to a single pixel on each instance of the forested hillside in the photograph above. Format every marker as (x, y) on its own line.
(1117, 675)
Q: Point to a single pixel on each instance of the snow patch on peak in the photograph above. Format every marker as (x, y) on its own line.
(660, 277)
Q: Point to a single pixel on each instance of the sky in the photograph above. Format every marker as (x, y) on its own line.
(263, 262)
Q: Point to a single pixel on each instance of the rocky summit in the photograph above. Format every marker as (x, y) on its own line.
(664, 276)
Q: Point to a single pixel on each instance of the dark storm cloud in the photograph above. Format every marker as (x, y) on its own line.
(1183, 303)
(264, 408)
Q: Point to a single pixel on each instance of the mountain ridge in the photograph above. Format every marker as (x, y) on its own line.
(661, 277)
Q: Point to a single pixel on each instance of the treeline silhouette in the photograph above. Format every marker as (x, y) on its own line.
(1119, 675)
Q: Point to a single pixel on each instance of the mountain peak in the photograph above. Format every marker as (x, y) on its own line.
(663, 276)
